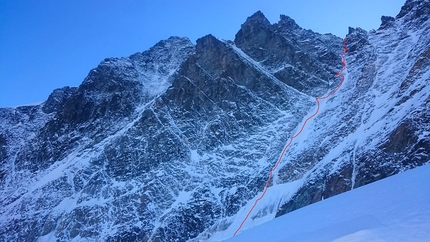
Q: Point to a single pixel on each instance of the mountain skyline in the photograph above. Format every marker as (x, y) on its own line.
(48, 45)
(176, 143)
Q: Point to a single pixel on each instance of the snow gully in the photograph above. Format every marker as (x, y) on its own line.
(340, 74)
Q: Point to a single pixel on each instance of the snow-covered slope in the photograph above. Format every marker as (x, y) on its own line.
(175, 143)
(396, 208)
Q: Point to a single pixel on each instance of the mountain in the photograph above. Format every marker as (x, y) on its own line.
(175, 143)
(380, 211)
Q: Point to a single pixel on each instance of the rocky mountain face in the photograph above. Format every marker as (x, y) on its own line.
(175, 143)
(384, 126)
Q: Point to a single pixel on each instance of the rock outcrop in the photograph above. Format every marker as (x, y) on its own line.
(175, 143)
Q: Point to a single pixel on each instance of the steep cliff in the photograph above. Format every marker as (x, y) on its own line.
(175, 143)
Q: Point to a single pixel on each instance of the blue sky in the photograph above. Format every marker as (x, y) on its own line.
(49, 44)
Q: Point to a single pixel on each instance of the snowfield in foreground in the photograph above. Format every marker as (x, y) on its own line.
(393, 209)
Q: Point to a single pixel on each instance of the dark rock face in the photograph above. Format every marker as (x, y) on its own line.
(357, 40)
(300, 58)
(417, 11)
(387, 21)
(57, 99)
(218, 82)
(175, 143)
(107, 99)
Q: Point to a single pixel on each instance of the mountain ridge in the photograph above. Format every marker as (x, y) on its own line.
(174, 143)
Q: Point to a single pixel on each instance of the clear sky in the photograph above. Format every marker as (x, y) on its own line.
(49, 44)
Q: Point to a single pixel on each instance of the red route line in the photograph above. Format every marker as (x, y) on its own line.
(295, 136)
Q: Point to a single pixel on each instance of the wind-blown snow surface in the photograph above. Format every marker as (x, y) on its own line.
(393, 209)
(121, 158)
